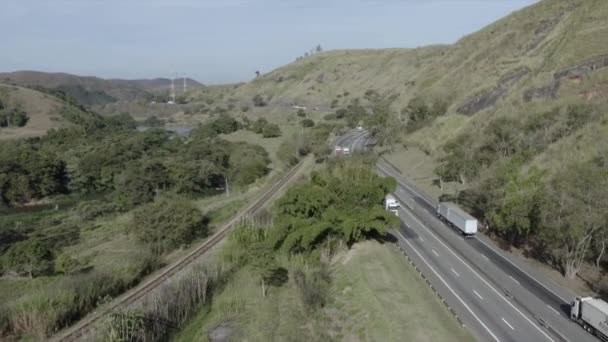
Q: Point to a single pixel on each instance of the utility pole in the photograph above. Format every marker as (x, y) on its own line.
(173, 88)
(185, 84)
(226, 186)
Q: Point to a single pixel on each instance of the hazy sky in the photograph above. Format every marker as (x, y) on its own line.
(218, 41)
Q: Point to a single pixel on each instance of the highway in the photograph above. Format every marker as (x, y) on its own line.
(497, 296)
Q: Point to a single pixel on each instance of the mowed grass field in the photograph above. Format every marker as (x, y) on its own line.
(375, 295)
(380, 297)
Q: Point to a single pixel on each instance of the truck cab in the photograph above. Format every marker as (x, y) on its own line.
(391, 204)
(359, 129)
(591, 314)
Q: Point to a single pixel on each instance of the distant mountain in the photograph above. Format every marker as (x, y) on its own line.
(90, 90)
(159, 84)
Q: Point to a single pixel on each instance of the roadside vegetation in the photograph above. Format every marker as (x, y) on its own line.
(89, 210)
(288, 268)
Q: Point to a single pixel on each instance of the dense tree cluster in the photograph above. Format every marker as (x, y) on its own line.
(560, 217)
(134, 166)
(265, 128)
(344, 202)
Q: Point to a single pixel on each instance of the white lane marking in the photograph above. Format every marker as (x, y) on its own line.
(519, 268)
(480, 240)
(507, 323)
(485, 257)
(449, 288)
(515, 280)
(456, 273)
(420, 237)
(479, 276)
(436, 254)
(478, 295)
(557, 312)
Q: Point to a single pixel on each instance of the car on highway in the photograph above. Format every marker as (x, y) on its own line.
(346, 150)
(359, 129)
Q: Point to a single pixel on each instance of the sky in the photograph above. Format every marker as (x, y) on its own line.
(221, 41)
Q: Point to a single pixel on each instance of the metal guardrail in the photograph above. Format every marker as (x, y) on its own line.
(428, 282)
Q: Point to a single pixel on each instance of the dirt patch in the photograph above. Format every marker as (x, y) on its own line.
(221, 333)
(488, 98)
(578, 72)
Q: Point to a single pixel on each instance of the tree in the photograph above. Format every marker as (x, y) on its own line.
(575, 214)
(225, 124)
(259, 101)
(259, 125)
(166, 224)
(257, 73)
(122, 121)
(307, 123)
(271, 131)
(32, 257)
(14, 117)
(301, 113)
(263, 261)
(66, 264)
(247, 163)
(319, 48)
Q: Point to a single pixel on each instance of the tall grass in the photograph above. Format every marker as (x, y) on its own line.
(167, 308)
(45, 311)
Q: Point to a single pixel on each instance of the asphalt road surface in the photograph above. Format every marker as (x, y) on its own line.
(497, 296)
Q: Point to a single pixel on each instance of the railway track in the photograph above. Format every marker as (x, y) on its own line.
(79, 329)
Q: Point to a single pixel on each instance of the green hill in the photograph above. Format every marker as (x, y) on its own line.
(43, 111)
(540, 58)
(505, 121)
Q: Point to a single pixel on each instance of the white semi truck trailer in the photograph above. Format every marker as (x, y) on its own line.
(591, 314)
(453, 215)
(391, 204)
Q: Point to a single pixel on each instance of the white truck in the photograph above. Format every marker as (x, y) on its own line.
(591, 314)
(454, 216)
(346, 150)
(391, 204)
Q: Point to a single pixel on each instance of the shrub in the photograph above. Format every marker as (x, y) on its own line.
(271, 131)
(307, 123)
(166, 224)
(334, 103)
(32, 257)
(259, 125)
(259, 101)
(67, 265)
(301, 113)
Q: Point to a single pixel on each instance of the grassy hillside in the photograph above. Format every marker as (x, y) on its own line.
(43, 111)
(376, 296)
(543, 57)
(507, 117)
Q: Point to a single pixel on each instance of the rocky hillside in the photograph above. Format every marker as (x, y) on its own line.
(541, 58)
